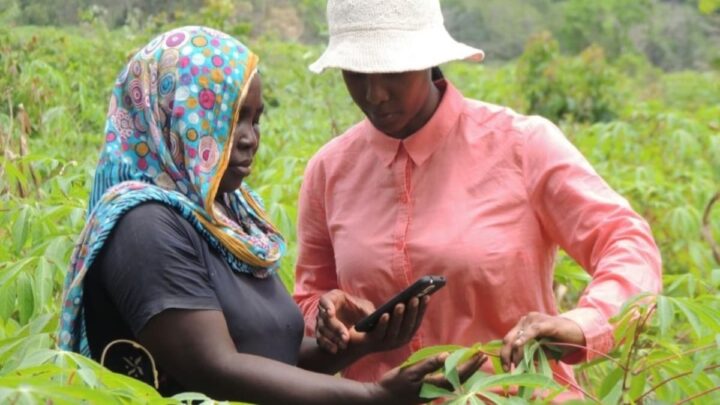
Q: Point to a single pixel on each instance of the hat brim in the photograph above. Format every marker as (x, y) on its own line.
(392, 51)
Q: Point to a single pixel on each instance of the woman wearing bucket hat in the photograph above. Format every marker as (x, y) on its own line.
(177, 262)
(434, 183)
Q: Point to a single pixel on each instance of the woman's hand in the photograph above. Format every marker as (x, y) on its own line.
(402, 385)
(339, 311)
(534, 326)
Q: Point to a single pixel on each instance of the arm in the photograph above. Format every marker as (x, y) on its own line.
(208, 362)
(314, 358)
(315, 268)
(597, 228)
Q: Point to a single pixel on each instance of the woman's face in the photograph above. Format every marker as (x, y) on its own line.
(246, 138)
(397, 104)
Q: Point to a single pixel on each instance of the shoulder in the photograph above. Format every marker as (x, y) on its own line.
(153, 224)
(152, 215)
(350, 143)
(505, 120)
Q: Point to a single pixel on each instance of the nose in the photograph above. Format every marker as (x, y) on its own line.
(245, 136)
(376, 91)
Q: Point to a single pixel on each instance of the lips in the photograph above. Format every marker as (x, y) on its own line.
(385, 114)
(242, 168)
(385, 121)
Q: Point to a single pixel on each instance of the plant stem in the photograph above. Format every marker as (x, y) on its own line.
(577, 387)
(667, 380)
(698, 395)
(598, 353)
(707, 230)
(675, 356)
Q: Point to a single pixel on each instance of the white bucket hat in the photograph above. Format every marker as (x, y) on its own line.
(388, 36)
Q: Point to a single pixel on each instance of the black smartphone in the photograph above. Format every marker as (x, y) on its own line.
(423, 286)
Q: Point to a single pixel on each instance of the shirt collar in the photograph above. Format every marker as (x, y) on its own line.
(420, 145)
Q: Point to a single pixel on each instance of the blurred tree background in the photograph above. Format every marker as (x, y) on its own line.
(672, 34)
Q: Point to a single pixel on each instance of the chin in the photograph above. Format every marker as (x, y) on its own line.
(229, 188)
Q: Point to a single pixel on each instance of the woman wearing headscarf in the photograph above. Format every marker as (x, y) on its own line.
(176, 267)
(432, 183)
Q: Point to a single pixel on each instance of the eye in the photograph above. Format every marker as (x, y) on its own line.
(256, 120)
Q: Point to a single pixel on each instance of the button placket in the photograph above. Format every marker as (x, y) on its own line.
(402, 171)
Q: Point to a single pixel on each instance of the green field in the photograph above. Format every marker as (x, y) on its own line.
(653, 135)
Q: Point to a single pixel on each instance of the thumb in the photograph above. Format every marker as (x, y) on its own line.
(362, 306)
(326, 305)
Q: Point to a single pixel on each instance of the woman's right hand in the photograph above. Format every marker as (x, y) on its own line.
(338, 311)
(402, 385)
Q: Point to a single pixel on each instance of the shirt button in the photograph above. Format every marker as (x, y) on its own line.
(399, 245)
(404, 199)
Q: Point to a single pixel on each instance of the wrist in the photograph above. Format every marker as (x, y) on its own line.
(377, 394)
(356, 351)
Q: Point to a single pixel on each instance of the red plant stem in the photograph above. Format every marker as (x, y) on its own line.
(675, 356)
(667, 380)
(698, 395)
(488, 353)
(598, 353)
(576, 386)
(633, 346)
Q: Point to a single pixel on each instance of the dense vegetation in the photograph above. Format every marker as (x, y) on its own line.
(653, 135)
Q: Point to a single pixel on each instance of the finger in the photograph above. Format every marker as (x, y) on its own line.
(465, 371)
(530, 330)
(362, 307)
(438, 380)
(407, 328)
(418, 371)
(380, 329)
(330, 334)
(506, 350)
(332, 329)
(326, 344)
(421, 312)
(469, 368)
(395, 322)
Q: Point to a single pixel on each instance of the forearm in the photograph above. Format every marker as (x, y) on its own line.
(250, 378)
(313, 358)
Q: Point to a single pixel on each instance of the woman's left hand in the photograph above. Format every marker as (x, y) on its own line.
(536, 325)
(338, 312)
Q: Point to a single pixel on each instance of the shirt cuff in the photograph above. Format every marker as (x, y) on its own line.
(598, 333)
(310, 314)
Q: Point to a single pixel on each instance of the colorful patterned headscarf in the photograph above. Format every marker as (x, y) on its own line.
(168, 139)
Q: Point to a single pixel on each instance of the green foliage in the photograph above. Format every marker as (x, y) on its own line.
(659, 360)
(709, 6)
(581, 88)
(606, 23)
(655, 137)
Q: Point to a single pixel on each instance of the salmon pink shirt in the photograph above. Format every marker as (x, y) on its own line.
(483, 196)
